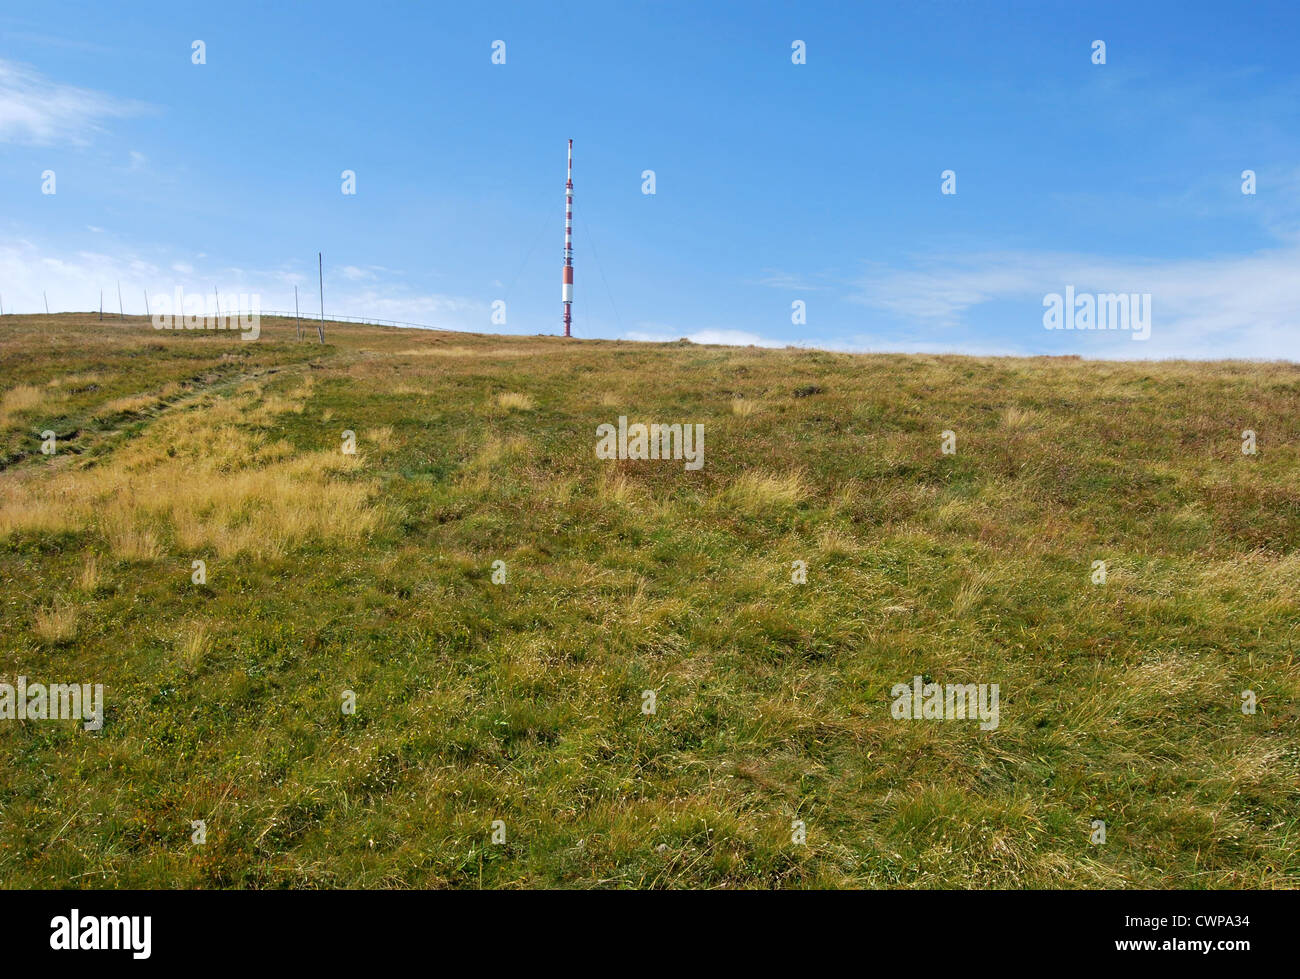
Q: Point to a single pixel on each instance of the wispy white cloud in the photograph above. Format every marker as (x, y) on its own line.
(858, 343)
(1237, 306)
(29, 38)
(730, 338)
(40, 112)
(425, 309)
(777, 279)
(73, 281)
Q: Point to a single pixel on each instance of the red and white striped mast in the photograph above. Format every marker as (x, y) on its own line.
(566, 290)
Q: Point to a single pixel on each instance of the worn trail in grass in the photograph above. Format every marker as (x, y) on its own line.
(522, 702)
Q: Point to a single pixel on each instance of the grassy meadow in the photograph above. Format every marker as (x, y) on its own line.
(522, 702)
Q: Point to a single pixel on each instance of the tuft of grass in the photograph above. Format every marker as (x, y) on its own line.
(512, 401)
(57, 622)
(131, 405)
(966, 599)
(755, 492)
(617, 487)
(128, 540)
(1016, 417)
(194, 646)
(836, 543)
(89, 578)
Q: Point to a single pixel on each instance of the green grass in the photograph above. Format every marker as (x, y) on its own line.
(522, 702)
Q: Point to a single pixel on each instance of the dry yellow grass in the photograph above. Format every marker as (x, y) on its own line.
(18, 399)
(217, 486)
(291, 403)
(437, 351)
(967, 598)
(56, 622)
(89, 578)
(955, 514)
(743, 407)
(74, 380)
(38, 506)
(512, 401)
(617, 488)
(194, 645)
(443, 350)
(265, 512)
(133, 404)
(381, 437)
(1015, 417)
(754, 492)
(411, 390)
(835, 543)
(128, 539)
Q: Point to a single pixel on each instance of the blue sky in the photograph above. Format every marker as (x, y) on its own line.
(775, 182)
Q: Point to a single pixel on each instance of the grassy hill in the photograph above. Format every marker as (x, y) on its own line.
(523, 702)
